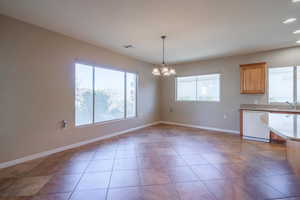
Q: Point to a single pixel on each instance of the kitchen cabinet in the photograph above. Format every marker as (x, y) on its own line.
(253, 78)
(255, 126)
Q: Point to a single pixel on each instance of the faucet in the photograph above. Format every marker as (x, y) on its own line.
(292, 105)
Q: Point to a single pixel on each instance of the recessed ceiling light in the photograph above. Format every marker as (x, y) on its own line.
(298, 42)
(295, 1)
(290, 20)
(297, 31)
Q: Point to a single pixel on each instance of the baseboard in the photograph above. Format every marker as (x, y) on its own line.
(201, 127)
(256, 139)
(63, 148)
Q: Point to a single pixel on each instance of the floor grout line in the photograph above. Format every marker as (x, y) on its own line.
(83, 173)
(190, 167)
(162, 141)
(112, 170)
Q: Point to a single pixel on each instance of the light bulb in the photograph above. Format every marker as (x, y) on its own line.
(156, 72)
(164, 69)
(167, 73)
(172, 71)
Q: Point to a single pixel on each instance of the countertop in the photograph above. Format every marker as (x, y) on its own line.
(281, 119)
(273, 110)
(270, 108)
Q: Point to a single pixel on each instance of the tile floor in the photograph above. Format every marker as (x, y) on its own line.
(157, 163)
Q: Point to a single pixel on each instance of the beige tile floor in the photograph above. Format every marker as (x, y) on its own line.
(157, 163)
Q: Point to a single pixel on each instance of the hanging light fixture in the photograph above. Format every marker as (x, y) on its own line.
(163, 69)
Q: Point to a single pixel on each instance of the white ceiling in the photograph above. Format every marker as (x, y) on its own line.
(196, 29)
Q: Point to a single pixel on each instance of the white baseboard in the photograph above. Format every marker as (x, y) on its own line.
(201, 127)
(256, 139)
(63, 148)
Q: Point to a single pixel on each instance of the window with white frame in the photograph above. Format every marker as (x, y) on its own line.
(198, 88)
(103, 94)
(284, 84)
(298, 84)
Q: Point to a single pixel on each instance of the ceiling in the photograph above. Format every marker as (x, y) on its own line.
(196, 29)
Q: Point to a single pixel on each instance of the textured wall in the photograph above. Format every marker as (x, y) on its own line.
(37, 89)
(211, 114)
(37, 83)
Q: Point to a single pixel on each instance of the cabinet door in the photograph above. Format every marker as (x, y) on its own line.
(253, 79)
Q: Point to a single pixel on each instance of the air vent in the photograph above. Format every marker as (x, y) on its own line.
(128, 46)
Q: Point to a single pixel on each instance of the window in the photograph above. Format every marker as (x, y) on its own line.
(198, 88)
(208, 87)
(103, 94)
(284, 84)
(281, 83)
(186, 88)
(109, 94)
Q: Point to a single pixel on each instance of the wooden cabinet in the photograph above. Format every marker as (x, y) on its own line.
(253, 78)
(276, 138)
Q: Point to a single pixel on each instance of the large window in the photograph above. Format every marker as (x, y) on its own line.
(284, 84)
(103, 94)
(198, 88)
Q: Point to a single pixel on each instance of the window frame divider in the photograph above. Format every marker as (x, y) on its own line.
(196, 88)
(125, 95)
(295, 85)
(136, 94)
(93, 94)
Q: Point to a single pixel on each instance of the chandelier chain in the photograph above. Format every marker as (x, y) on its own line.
(163, 37)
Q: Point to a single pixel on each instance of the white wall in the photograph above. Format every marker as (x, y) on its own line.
(211, 114)
(37, 83)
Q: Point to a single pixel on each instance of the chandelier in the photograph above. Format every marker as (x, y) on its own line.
(163, 69)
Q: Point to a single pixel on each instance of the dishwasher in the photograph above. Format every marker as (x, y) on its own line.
(255, 126)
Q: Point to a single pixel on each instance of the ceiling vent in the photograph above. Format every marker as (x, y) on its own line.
(128, 46)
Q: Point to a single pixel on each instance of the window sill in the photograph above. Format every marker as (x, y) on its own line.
(282, 103)
(195, 101)
(106, 123)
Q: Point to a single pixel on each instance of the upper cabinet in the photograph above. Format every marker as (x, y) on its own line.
(253, 78)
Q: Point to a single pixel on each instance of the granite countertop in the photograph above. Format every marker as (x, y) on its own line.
(270, 108)
(285, 125)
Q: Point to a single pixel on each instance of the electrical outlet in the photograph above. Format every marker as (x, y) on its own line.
(64, 124)
(225, 116)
